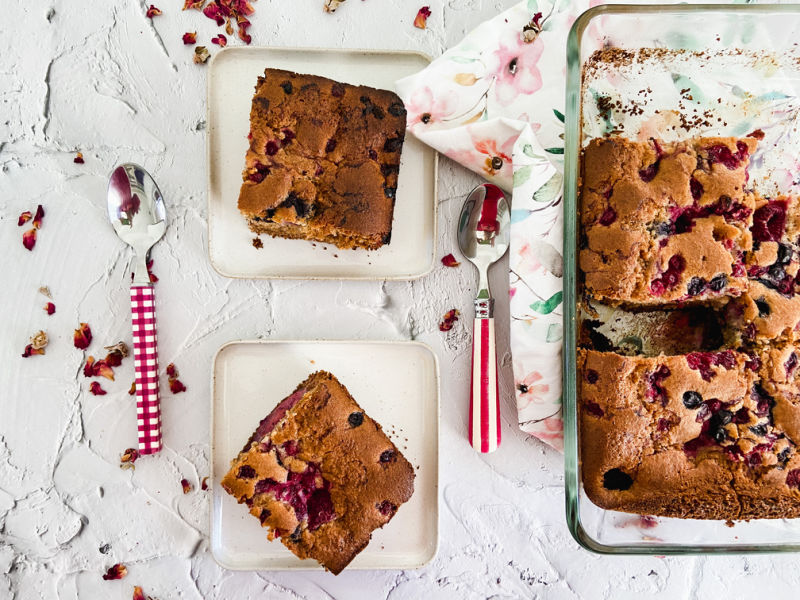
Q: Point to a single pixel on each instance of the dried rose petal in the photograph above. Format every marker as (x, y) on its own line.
(96, 389)
(78, 160)
(45, 291)
(228, 27)
(187, 487)
(132, 391)
(201, 55)
(220, 40)
(82, 337)
(138, 593)
(195, 4)
(37, 218)
(120, 347)
(30, 351)
(215, 12)
(449, 319)
(24, 218)
(50, 308)
(332, 5)
(118, 571)
(172, 371)
(190, 37)
(129, 456)
(98, 368)
(176, 387)
(153, 12)
(39, 340)
(422, 17)
(204, 483)
(450, 261)
(29, 239)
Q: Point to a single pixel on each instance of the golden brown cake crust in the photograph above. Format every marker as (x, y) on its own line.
(323, 475)
(323, 160)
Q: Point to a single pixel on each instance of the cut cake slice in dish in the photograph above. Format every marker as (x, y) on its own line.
(320, 474)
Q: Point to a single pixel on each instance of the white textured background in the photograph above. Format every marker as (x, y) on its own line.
(97, 76)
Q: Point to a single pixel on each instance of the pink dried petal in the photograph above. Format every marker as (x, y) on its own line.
(220, 40)
(30, 351)
(201, 55)
(82, 337)
(450, 261)
(214, 12)
(78, 160)
(172, 371)
(176, 387)
(118, 571)
(129, 456)
(24, 218)
(96, 389)
(37, 218)
(187, 487)
(98, 368)
(153, 12)
(204, 483)
(138, 593)
(50, 308)
(195, 4)
(449, 319)
(421, 20)
(189, 38)
(29, 239)
(243, 24)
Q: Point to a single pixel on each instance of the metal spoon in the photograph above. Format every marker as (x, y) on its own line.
(483, 235)
(136, 210)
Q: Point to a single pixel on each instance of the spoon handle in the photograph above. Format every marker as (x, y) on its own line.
(484, 400)
(145, 356)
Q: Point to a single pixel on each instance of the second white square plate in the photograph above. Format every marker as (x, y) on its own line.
(232, 77)
(396, 383)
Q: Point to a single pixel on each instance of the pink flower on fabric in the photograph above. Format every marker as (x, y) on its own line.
(423, 108)
(517, 72)
(531, 392)
(529, 259)
(496, 159)
(551, 431)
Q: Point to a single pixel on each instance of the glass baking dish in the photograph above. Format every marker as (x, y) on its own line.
(675, 71)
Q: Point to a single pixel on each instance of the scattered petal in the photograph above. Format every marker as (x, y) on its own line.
(39, 341)
(189, 38)
(449, 319)
(176, 387)
(96, 389)
(195, 4)
(450, 261)
(29, 239)
(82, 337)
(30, 351)
(332, 5)
(24, 218)
(220, 40)
(201, 55)
(422, 17)
(127, 458)
(78, 160)
(187, 487)
(228, 27)
(214, 12)
(132, 391)
(120, 347)
(172, 371)
(98, 368)
(37, 218)
(50, 308)
(153, 12)
(204, 483)
(243, 24)
(118, 571)
(138, 593)
(45, 291)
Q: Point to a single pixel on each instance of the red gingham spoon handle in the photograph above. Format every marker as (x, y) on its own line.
(145, 356)
(484, 400)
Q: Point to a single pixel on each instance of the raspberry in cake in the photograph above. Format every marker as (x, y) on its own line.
(665, 223)
(320, 474)
(323, 160)
(706, 435)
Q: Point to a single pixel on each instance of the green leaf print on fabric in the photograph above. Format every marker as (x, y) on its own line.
(462, 60)
(522, 175)
(559, 115)
(545, 307)
(527, 150)
(554, 150)
(550, 190)
(554, 333)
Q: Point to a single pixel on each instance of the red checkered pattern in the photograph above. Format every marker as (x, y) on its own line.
(145, 354)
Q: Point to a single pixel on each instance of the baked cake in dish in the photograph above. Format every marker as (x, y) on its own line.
(320, 474)
(665, 223)
(323, 160)
(704, 435)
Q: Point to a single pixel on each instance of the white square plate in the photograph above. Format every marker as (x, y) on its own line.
(232, 77)
(396, 383)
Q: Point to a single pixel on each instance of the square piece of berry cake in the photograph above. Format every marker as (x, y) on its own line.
(323, 160)
(320, 474)
(665, 223)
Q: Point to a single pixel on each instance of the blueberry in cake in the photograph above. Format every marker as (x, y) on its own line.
(320, 474)
(665, 223)
(323, 160)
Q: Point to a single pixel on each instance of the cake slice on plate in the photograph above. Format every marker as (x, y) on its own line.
(320, 474)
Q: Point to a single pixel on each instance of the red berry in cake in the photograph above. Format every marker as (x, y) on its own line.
(246, 472)
(655, 380)
(692, 400)
(386, 508)
(593, 408)
(592, 376)
(722, 154)
(355, 419)
(769, 222)
(608, 216)
(670, 278)
(617, 479)
(696, 188)
(791, 364)
(272, 147)
(649, 173)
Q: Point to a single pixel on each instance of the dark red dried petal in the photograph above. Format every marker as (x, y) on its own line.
(176, 387)
(82, 337)
(138, 593)
(30, 351)
(195, 4)
(204, 483)
(450, 261)
(214, 12)
(449, 319)
(172, 371)
(220, 40)
(153, 12)
(129, 456)
(24, 218)
(78, 160)
(50, 308)
(96, 389)
(187, 487)
(29, 239)
(37, 218)
(189, 38)
(421, 19)
(118, 571)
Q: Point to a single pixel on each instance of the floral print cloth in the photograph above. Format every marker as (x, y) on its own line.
(494, 103)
